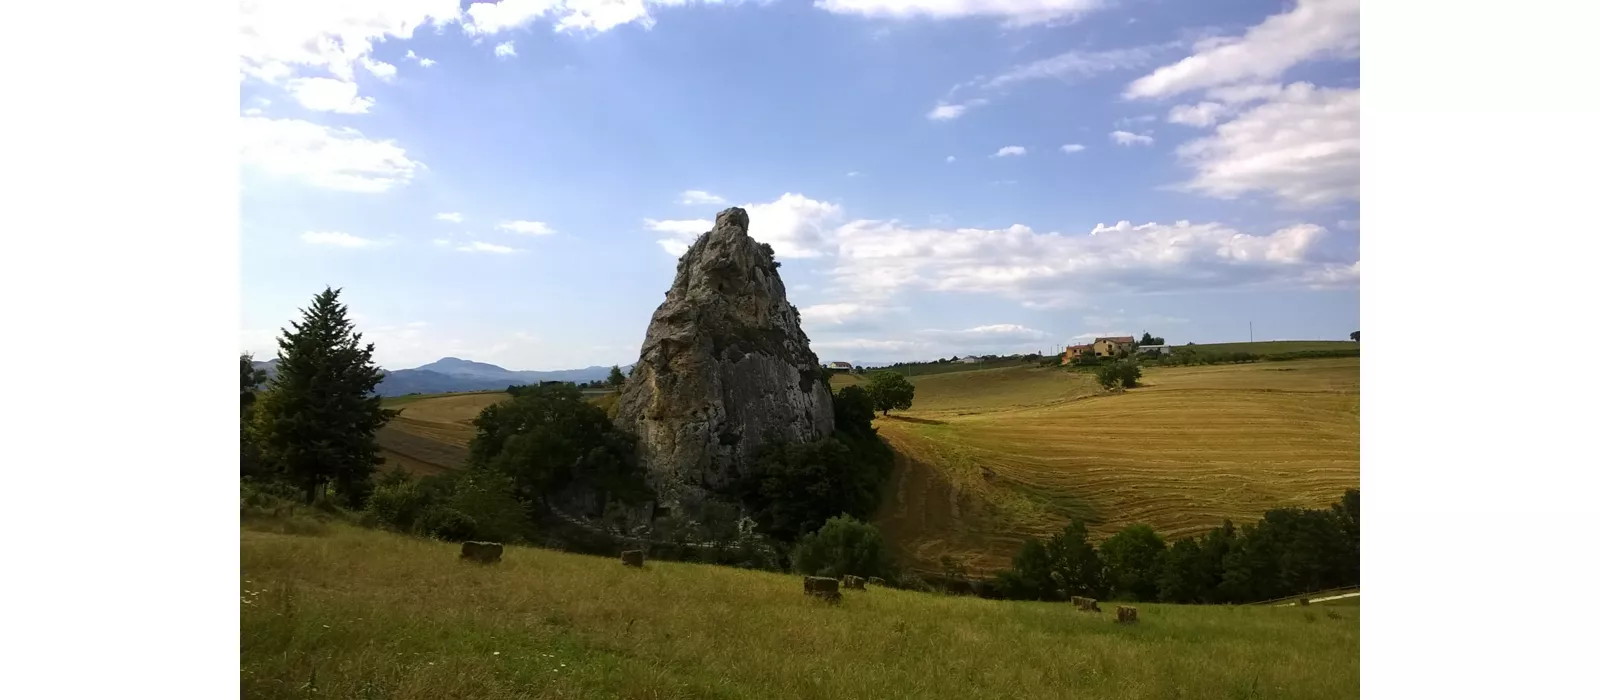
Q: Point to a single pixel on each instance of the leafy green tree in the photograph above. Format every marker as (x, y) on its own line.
(616, 378)
(1356, 336)
(1182, 578)
(1125, 373)
(548, 437)
(320, 417)
(890, 391)
(1133, 560)
(1029, 576)
(251, 462)
(1075, 566)
(853, 411)
(843, 545)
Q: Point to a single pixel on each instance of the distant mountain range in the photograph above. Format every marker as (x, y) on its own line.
(453, 374)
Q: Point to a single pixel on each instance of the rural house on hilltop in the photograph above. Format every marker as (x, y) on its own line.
(1111, 347)
(839, 365)
(1073, 352)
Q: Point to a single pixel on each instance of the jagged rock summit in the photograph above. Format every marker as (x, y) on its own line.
(724, 364)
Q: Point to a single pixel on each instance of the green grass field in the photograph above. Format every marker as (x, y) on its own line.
(1278, 347)
(354, 613)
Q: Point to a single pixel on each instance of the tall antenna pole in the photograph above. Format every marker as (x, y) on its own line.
(1252, 331)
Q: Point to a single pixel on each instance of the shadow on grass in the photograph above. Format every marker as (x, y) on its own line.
(909, 419)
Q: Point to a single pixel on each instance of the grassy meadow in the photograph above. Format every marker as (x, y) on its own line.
(353, 613)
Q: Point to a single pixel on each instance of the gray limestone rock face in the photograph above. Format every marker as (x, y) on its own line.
(724, 364)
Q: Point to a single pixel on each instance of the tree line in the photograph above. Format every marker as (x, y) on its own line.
(1289, 551)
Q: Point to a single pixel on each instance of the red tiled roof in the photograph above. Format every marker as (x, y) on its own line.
(1085, 346)
(1117, 339)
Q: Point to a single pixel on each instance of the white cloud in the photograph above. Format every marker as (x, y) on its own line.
(410, 54)
(528, 228)
(506, 49)
(1200, 115)
(987, 336)
(1014, 12)
(949, 159)
(690, 227)
(251, 112)
(1075, 64)
(338, 239)
(329, 95)
(481, 247)
(426, 62)
(853, 173)
(453, 217)
(700, 197)
(878, 259)
(1314, 29)
(1010, 151)
(281, 38)
(794, 225)
(1072, 148)
(1303, 145)
(1063, 67)
(945, 111)
(1125, 138)
(841, 316)
(379, 69)
(336, 159)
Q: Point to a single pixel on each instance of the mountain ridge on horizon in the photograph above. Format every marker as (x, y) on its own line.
(454, 374)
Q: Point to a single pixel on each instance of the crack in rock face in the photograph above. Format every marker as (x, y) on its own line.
(724, 365)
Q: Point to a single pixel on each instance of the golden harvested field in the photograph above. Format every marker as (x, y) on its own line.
(984, 463)
(431, 433)
(352, 613)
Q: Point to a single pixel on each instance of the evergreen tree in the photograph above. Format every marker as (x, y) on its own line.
(616, 377)
(320, 417)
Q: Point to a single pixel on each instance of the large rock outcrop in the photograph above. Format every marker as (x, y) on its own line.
(724, 365)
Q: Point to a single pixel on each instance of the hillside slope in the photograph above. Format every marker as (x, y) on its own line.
(364, 614)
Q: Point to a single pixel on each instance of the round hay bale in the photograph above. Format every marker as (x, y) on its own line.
(481, 552)
(1127, 614)
(824, 588)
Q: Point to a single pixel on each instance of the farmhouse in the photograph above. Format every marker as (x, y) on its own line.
(969, 360)
(839, 365)
(1073, 352)
(1110, 347)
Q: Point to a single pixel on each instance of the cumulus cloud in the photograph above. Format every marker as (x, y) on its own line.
(338, 239)
(281, 38)
(527, 228)
(1071, 147)
(1013, 12)
(329, 95)
(1314, 29)
(794, 225)
(1302, 145)
(700, 197)
(573, 16)
(930, 343)
(336, 159)
(878, 259)
(453, 217)
(505, 50)
(1128, 138)
(987, 336)
(1010, 151)
(841, 316)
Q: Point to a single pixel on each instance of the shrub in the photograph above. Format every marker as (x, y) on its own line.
(547, 437)
(842, 546)
(1133, 559)
(446, 523)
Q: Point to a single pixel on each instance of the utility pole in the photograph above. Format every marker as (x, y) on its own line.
(1252, 331)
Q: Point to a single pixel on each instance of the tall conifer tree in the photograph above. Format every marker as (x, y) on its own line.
(320, 416)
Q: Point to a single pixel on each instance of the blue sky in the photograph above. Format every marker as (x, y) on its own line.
(512, 182)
